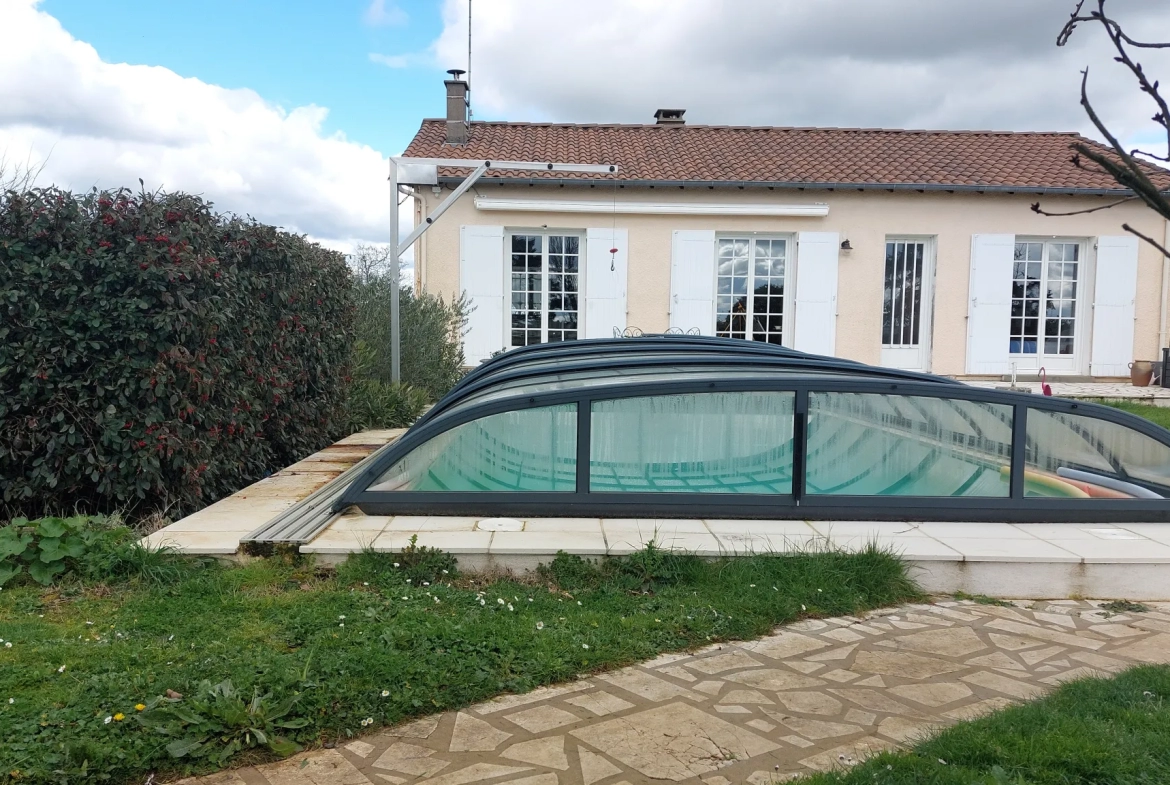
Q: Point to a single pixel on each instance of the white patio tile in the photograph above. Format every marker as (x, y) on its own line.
(1020, 549)
(867, 528)
(1119, 551)
(450, 541)
(562, 525)
(581, 543)
(207, 543)
(919, 548)
(1158, 532)
(651, 525)
(1090, 532)
(749, 543)
(341, 541)
(627, 541)
(360, 523)
(760, 527)
(433, 523)
(968, 529)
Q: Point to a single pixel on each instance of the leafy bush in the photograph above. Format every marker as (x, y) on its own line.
(374, 403)
(432, 349)
(153, 352)
(215, 723)
(91, 549)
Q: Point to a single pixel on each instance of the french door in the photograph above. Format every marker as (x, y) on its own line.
(1046, 321)
(750, 291)
(546, 276)
(906, 307)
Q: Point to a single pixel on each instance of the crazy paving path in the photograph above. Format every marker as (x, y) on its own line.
(815, 695)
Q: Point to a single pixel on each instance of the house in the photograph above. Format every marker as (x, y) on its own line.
(909, 249)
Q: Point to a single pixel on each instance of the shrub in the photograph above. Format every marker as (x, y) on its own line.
(375, 403)
(432, 329)
(154, 352)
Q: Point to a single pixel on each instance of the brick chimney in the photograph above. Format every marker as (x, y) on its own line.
(457, 92)
(670, 117)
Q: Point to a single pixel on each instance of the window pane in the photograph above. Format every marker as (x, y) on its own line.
(739, 442)
(1072, 455)
(895, 445)
(528, 450)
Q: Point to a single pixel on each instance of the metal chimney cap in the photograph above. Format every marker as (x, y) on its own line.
(456, 72)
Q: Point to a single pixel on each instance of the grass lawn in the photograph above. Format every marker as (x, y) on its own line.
(363, 647)
(1089, 732)
(1159, 415)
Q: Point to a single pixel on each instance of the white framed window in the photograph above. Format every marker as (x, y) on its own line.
(751, 291)
(545, 286)
(1047, 282)
(907, 302)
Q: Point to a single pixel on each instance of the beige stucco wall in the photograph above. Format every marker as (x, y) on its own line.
(866, 218)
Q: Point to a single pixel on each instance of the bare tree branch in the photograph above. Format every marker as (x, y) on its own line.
(1036, 208)
(1123, 166)
(1149, 240)
(19, 176)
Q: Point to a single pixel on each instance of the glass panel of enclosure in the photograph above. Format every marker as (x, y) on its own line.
(730, 442)
(1074, 456)
(526, 450)
(545, 283)
(1044, 298)
(902, 308)
(749, 285)
(869, 444)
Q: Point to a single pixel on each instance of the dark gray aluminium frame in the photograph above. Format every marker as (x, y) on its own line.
(1015, 508)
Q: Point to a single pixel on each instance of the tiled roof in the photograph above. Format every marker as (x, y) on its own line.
(781, 156)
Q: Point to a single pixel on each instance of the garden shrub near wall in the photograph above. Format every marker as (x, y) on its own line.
(154, 353)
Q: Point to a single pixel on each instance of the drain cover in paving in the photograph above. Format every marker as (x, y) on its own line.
(500, 525)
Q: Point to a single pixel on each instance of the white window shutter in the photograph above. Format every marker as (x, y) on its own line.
(481, 276)
(990, 306)
(1114, 292)
(605, 288)
(692, 280)
(816, 292)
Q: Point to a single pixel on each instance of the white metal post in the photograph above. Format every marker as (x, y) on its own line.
(395, 269)
(478, 170)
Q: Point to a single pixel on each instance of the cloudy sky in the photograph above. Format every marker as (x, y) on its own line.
(287, 109)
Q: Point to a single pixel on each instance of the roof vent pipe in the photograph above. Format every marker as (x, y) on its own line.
(457, 95)
(670, 117)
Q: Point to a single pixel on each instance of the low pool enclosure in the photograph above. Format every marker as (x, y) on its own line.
(697, 427)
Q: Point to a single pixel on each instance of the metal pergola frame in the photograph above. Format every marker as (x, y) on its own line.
(1015, 508)
(479, 169)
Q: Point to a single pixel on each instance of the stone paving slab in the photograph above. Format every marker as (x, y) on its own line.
(218, 528)
(815, 695)
(1107, 391)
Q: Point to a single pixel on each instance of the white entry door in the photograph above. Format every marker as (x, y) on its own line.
(906, 309)
(1047, 316)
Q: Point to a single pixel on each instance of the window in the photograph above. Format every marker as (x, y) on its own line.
(869, 444)
(735, 442)
(546, 272)
(902, 308)
(1069, 455)
(750, 289)
(1044, 298)
(522, 450)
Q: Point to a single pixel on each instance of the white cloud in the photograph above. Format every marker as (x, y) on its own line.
(380, 13)
(892, 63)
(108, 124)
(400, 61)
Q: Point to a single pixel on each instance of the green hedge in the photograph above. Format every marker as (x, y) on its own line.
(156, 354)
